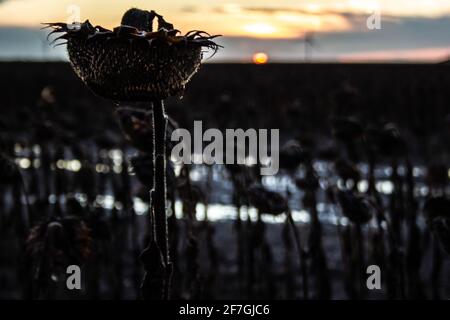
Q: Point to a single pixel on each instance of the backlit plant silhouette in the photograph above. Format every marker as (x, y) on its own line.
(134, 63)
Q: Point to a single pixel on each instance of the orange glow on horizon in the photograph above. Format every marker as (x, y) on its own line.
(285, 20)
(260, 58)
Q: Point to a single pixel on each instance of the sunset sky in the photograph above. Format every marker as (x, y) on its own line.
(268, 22)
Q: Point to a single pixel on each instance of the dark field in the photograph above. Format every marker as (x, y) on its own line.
(365, 172)
(293, 97)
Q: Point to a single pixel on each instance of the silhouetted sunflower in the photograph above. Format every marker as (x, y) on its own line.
(65, 241)
(437, 213)
(267, 201)
(9, 173)
(53, 245)
(138, 129)
(356, 207)
(131, 62)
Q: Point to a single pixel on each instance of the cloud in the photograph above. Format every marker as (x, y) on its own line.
(304, 18)
(292, 10)
(273, 10)
(356, 19)
(408, 33)
(232, 8)
(188, 9)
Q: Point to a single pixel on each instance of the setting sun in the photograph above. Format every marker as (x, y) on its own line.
(260, 58)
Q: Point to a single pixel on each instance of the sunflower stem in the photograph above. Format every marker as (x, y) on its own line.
(155, 257)
(159, 203)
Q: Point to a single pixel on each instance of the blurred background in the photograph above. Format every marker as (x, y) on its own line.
(359, 91)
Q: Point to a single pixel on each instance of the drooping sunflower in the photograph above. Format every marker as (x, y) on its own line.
(132, 62)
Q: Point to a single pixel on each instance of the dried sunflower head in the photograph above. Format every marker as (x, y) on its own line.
(60, 242)
(138, 128)
(437, 214)
(356, 207)
(441, 229)
(131, 62)
(292, 154)
(9, 172)
(266, 201)
(436, 207)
